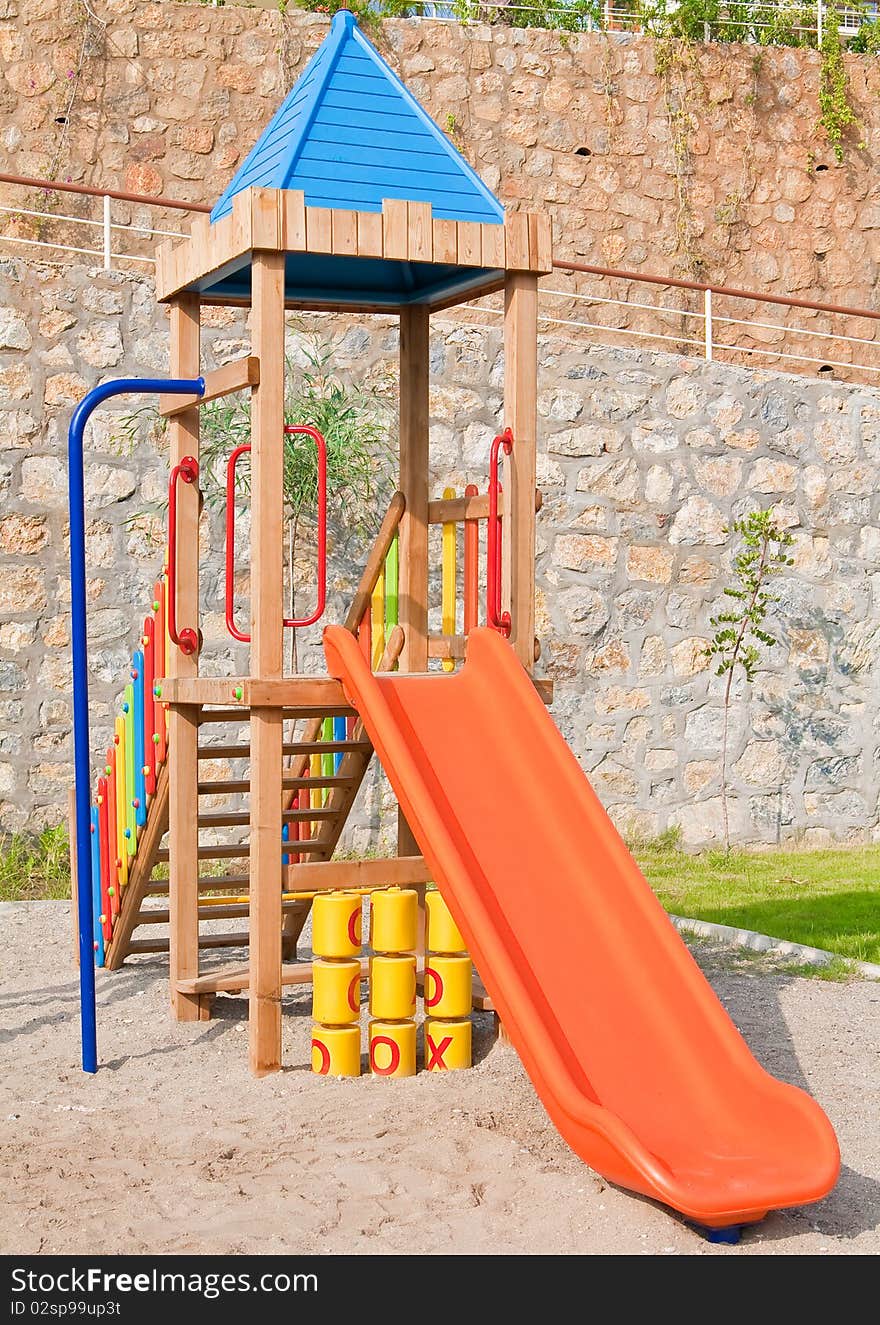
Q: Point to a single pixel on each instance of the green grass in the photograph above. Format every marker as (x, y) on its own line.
(828, 899)
(34, 866)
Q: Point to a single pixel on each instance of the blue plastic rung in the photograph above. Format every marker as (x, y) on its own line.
(338, 735)
(140, 782)
(97, 927)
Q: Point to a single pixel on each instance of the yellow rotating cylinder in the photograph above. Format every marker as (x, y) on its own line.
(443, 934)
(336, 925)
(394, 916)
(336, 991)
(393, 987)
(448, 986)
(393, 1048)
(336, 1051)
(447, 1045)
(336, 985)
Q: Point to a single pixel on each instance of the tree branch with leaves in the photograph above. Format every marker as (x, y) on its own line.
(740, 633)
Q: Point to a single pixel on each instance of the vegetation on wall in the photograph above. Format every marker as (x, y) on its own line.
(772, 23)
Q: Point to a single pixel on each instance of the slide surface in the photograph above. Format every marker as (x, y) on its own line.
(637, 1063)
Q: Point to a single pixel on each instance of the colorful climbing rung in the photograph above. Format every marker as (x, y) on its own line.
(96, 887)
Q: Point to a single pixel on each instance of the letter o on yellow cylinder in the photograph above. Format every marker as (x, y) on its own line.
(336, 991)
(448, 986)
(392, 987)
(336, 1051)
(447, 1045)
(394, 920)
(443, 933)
(336, 925)
(393, 1048)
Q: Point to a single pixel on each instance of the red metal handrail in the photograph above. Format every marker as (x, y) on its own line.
(680, 283)
(646, 278)
(56, 186)
(290, 623)
(497, 619)
(187, 640)
(231, 464)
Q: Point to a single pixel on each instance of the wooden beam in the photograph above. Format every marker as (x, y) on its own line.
(234, 979)
(183, 729)
(458, 509)
(399, 872)
(414, 461)
(281, 692)
(395, 223)
(208, 716)
(375, 562)
(303, 747)
(234, 376)
(413, 591)
(521, 415)
(267, 595)
(447, 646)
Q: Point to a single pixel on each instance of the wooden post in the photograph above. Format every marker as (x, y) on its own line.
(183, 727)
(267, 598)
(521, 415)
(413, 582)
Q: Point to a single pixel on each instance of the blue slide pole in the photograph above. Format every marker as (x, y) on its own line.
(79, 641)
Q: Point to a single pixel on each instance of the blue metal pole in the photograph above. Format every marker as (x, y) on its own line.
(79, 643)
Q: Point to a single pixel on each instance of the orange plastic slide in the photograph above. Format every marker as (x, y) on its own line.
(637, 1063)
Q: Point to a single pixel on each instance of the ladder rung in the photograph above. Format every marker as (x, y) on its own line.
(290, 711)
(232, 911)
(236, 818)
(229, 851)
(205, 941)
(289, 748)
(207, 884)
(241, 786)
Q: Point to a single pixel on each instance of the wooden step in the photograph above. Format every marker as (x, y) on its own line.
(207, 884)
(241, 786)
(232, 911)
(235, 978)
(290, 713)
(241, 818)
(227, 851)
(289, 748)
(205, 941)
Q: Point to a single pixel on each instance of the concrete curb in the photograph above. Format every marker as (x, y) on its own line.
(748, 938)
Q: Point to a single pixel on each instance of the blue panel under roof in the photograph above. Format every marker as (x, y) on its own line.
(349, 134)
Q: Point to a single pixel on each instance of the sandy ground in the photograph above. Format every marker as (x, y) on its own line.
(172, 1147)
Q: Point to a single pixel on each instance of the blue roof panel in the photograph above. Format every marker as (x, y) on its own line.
(349, 134)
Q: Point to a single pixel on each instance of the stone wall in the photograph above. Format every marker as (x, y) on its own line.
(644, 458)
(717, 166)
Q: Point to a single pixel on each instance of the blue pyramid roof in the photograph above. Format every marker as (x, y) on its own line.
(349, 134)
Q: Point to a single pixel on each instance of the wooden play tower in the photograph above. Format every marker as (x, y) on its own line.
(352, 201)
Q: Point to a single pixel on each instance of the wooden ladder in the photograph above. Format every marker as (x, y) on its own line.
(142, 900)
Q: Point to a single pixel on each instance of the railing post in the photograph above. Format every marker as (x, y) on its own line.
(108, 255)
(707, 317)
(819, 32)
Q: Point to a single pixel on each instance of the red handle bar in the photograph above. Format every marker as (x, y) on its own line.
(187, 639)
(231, 464)
(497, 619)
